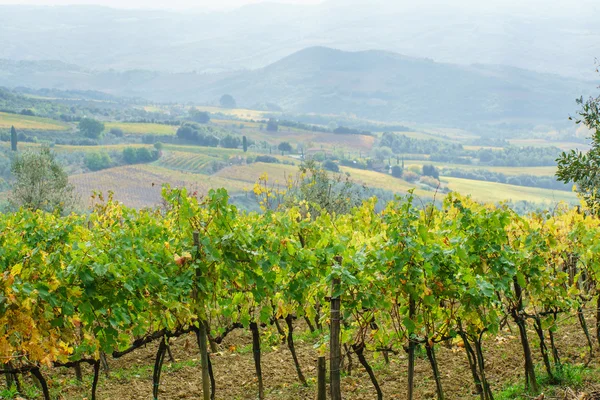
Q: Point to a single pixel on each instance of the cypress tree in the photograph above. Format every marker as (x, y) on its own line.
(13, 138)
(245, 143)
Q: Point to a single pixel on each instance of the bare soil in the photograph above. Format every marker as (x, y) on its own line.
(131, 376)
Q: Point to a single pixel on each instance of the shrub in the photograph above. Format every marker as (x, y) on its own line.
(430, 170)
(331, 166)
(354, 163)
(430, 181)
(272, 125)
(267, 159)
(397, 171)
(318, 157)
(129, 155)
(118, 132)
(143, 155)
(97, 160)
(214, 167)
(199, 116)
(415, 168)
(91, 128)
(285, 147)
(231, 142)
(410, 176)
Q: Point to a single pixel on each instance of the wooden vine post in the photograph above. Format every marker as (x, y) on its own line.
(334, 338)
(321, 376)
(201, 332)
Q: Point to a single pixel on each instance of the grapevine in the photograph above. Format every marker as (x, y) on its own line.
(78, 287)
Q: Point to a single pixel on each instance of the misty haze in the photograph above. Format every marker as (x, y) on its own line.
(321, 199)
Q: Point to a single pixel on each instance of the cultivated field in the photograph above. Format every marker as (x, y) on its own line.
(493, 191)
(547, 143)
(510, 171)
(133, 128)
(277, 173)
(29, 123)
(183, 161)
(209, 151)
(63, 148)
(131, 376)
(318, 140)
(140, 185)
(240, 113)
(386, 182)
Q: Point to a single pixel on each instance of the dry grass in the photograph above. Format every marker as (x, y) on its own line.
(26, 122)
(386, 182)
(140, 185)
(277, 173)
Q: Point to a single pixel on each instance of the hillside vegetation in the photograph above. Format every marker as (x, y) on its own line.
(26, 122)
(371, 84)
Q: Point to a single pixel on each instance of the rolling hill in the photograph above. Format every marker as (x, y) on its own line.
(371, 84)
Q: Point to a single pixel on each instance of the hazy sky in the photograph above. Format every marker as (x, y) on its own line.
(171, 4)
(564, 8)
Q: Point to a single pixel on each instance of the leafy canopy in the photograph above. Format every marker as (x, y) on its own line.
(581, 168)
(91, 128)
(41, 183)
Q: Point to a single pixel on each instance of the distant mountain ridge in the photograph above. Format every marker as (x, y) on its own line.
(372, 84)
(562, 37)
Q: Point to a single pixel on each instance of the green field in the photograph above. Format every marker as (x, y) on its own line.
(28, 123)
(133, 128)
(549, 143)
(493, 192)
(62, 148)
(510, 171)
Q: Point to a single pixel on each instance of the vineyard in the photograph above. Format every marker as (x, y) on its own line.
(189, 162)
(82, 289)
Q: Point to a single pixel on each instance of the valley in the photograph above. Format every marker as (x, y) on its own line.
(366, 157)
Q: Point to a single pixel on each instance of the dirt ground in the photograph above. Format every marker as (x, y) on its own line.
(131, 376)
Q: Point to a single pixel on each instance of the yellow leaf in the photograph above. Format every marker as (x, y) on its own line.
(16, 269)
